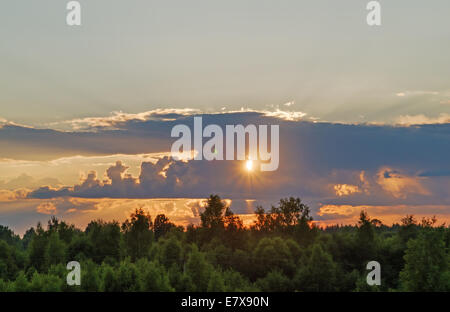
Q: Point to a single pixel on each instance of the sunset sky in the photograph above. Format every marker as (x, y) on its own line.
(86, 112)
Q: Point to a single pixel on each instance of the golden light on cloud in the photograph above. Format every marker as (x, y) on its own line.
(346, 189)
(47, 208)
(400, 185)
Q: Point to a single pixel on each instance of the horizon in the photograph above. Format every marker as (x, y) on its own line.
(224, 146)
(87, 110)
(126, 158)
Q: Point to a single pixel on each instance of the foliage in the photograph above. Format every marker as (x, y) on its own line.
(281, 251)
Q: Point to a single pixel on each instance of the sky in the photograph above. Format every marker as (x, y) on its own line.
(86, 111)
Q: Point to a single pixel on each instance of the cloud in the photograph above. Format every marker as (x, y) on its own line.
(324, 163)
(416, 93)
(346, 189)
(196, 206)
(436, 173)
(286, 115)
(47, 208)
(66, 205)
(164, 178)
(400, 185)
(119, 118)
(66, 169)
(8, 195)
(365, 184)
(137, 136)
(26, 181)
(408, 120)
(122, 134)
(340, 210)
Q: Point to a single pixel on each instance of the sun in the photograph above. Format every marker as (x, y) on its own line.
(249, 165)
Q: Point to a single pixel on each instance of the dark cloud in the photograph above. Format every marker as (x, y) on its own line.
(386, 164)
(25, 143)
(437, 173)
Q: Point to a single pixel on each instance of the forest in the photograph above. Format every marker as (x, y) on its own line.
(282, 251)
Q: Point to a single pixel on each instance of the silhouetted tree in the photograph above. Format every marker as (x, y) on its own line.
(213, 215)
(161, 226)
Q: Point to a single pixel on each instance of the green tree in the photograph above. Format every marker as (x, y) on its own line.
(80, 247)
(153, 276)
(38, 255)
(8, 236)
(65, 231)
(138, 234)
(171, 253)
(318, 273)
(42, 282)
(365, 238)
(105, 239)
(21, 283)
(198, 270)
(128, 276)
(426, 262)
(274, 254)
(110, 282)
(408, 229)
(291, 214)
(56, 250)
(216, 282)
(274, 281)
(90, 277)
(8, 267)
(234, 281)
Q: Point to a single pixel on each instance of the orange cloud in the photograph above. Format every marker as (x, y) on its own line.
(346, 189)
(399, 185)
(340, 210)
(7, 195)
(47, 208)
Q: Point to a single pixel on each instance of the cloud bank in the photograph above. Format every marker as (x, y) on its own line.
(327, 164)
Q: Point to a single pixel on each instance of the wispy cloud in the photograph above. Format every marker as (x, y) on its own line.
(416, 93)
(408, 120)
(119, 118)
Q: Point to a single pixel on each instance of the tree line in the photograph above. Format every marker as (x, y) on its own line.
(281, 251)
